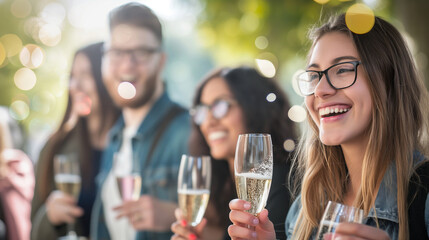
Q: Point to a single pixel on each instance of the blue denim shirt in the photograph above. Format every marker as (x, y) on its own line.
(159, 177)
(386, 208)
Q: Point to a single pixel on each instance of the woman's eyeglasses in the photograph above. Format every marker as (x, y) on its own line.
(218, 109)
(339, 76)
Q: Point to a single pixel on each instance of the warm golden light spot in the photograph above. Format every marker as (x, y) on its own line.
(126, 90)
(360, 18)
(2, 54)
(208, 37)
(249, 22)
(19, 110)
(50, 35)
(25, 79)
(271, 97)
(266, 67)
(261, 42)
(20, 8)
(31, 56)
(297, 113)
(289, 145)
(321, 1)
(12, 44)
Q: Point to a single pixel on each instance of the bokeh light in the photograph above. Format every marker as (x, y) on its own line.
(32, 27)
(25, 79)
(295, 83)
(20, 8)
(360, 18)
(249, 22)
(266, 67)
(12, 44)
(19, 110)
(271, 97)
(297, 113)
(321, 1)
(42, 102)
(289, 145)
(31, 56)
(50, 35)
(2, 54)
(53, 13)
(126, 90)
(261, 42)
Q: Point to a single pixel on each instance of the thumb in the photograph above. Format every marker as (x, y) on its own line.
(264, 221)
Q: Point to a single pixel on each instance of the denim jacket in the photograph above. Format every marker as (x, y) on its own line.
(386, 208)
(159, 176)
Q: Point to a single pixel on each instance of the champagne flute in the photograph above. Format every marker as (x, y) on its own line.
(194, 187)
(254, 169)
(336, 213)
(68, 180)
(128, 180)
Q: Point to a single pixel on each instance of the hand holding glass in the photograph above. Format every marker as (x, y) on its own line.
(68, 180)
(194, 187)
(254, 169)
(336, 213)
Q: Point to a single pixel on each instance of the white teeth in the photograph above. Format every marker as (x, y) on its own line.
(328, 110)
(216, 135)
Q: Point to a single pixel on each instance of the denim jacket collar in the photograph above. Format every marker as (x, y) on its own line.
(386, 202)
(156, 112)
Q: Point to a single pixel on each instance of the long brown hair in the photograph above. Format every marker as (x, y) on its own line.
(399, 126)
(250, 90)
(108, 111)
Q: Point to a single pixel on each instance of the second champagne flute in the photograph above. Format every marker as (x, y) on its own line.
(194, 187)
(68, 180)
(254, 169)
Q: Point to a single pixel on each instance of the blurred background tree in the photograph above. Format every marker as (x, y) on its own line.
(38, 39)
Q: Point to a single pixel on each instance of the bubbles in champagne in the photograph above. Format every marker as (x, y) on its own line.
(253, 188)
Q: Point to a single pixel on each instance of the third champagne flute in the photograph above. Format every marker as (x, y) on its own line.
(254, 169)
(194, 187)
(336, 213)
(68, 180)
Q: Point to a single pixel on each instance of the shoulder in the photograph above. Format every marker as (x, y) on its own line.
(292, 216)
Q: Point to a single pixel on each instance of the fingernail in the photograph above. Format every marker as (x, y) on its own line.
(183, 223)
(192, 236)
(253, 234)
(247, 205)
(255, 221)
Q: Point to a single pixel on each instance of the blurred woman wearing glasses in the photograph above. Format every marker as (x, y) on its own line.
(227, 103)
(367, 137)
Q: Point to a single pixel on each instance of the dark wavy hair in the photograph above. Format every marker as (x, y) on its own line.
(250, 90)
(109, 113)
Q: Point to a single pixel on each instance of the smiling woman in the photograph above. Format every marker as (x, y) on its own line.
(229, 102)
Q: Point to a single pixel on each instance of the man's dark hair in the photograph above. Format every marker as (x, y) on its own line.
(138, 15)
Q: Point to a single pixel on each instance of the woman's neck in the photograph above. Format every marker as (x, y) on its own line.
(353, 155)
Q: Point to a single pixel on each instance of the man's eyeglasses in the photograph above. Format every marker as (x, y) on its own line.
(218, 109)
(339, 76)
(140, 55)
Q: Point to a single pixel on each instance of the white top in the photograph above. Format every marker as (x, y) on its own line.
(119, 229)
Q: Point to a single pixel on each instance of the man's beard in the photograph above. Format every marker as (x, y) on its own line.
(138, 100)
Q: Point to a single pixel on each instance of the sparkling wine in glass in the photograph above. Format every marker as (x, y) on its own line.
(128, 179)
(68, 180)
(336, 213)
(254, 169)
(194, 187)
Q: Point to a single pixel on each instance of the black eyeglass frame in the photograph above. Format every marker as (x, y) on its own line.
(325, 72)
(193, 111)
